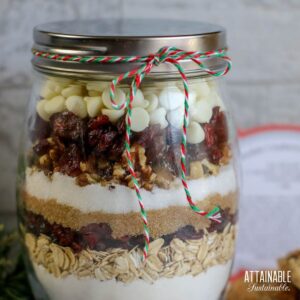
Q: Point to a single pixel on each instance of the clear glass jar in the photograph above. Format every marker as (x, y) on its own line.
(78, 211)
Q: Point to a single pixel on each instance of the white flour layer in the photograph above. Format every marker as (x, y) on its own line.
(207, 285)
(121, 199)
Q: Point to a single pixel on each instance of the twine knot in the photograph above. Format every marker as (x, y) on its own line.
(170, 55)
(160, 56)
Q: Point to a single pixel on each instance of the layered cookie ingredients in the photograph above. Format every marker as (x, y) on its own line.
(81, 223)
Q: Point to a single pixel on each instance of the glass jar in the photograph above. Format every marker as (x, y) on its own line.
(83, 224)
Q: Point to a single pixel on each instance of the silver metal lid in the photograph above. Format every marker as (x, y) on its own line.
(123, 38)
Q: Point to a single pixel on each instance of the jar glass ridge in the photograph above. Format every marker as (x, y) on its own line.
(78, 212)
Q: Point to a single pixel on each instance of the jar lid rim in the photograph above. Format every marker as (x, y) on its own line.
(129, 36)
(122, 37)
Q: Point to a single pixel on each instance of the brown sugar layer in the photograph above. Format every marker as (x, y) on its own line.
(98, 236)
(161, 221)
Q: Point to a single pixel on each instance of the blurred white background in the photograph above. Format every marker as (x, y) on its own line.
(263, 36)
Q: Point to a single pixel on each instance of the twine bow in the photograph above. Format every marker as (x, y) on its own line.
(169, 55)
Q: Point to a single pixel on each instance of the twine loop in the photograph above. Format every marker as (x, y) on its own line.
(173, 56)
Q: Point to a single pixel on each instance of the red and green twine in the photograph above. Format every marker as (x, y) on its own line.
(169, 55)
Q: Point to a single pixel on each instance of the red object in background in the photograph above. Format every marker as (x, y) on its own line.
(237, 275)
(270, 127)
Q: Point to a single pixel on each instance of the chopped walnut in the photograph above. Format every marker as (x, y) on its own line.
(144, 172)
(83, 166)
(196, 170)
(164, 178)
(85, 179)
(82, 180)
(118, 171)
(227, 154)
(44, 161)
(212, 169)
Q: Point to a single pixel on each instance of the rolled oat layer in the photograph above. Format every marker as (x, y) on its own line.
(190, 257)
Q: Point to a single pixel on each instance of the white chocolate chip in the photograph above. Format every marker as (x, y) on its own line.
(40, 108)
(64, 82)
(47, 93)
(195, 133)
(202, 89)
(139, 100)
(171, 98)
(175, 117)
(201, 111)
(73, 90)
(55, 105)
(153, 101)
(113, 115)
(158, 116)
(50, 89)
(192, 97)
(98, 86)
(139, 119)
(212, 84)
(77, 105)
(120, 97)
(94, 105)
(163, 84)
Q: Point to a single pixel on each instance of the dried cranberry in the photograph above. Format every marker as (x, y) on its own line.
(100, 246)
(168, 238)
(42, 147)
(188, 232)
(101, 136)
(134, 241)
(218, 120)
(102, 140)
(116, 150)
(66, 237)
(153, 139)
(216, 135)
(98, 122)
(92, 239)
(210, 137)
(106, 141)
(69, 162)
(121, 125)
(68, 126)
(93, 232)
(76, 247)
(148, 136)
(93, 137)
